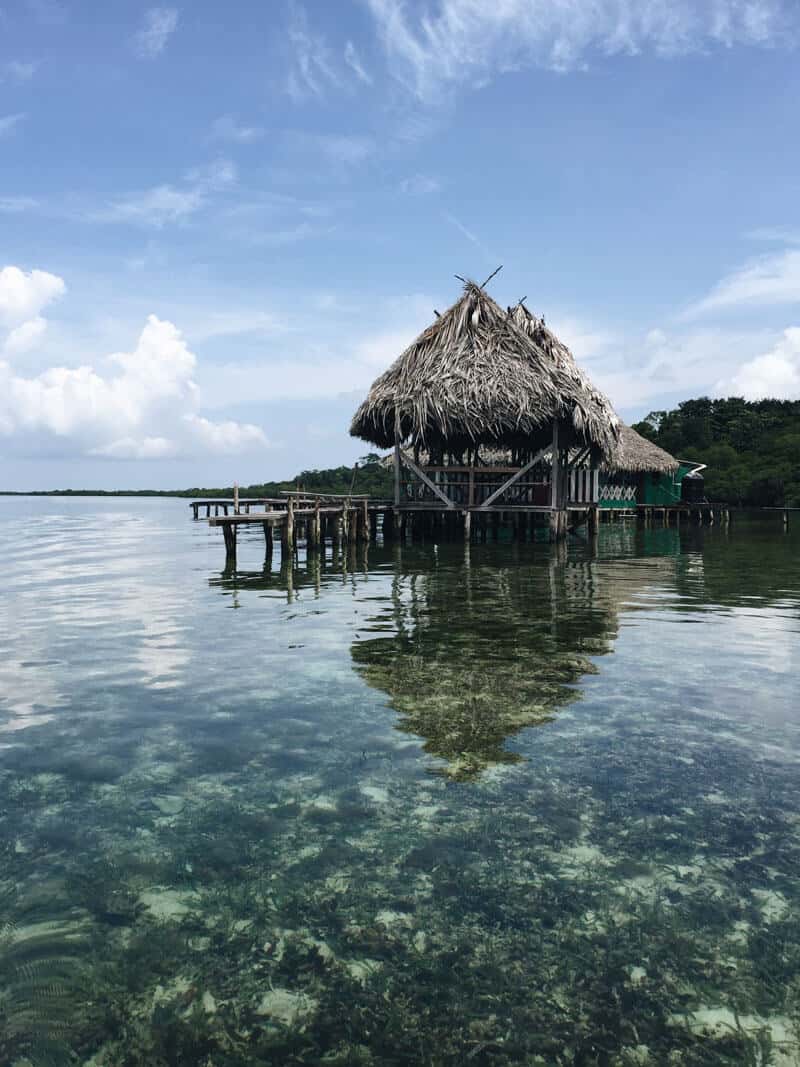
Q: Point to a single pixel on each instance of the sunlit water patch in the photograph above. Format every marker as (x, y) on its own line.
(432, 805)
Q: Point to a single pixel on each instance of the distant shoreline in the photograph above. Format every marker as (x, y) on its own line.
(175, 493)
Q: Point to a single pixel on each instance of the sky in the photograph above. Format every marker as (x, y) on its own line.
(218, 224)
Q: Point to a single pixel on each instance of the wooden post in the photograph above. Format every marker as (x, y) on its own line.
(194, 509)
(235, 498)
(388, 525)
(229, 533)
(786, 518)
(555, 483)
(365, 520)
(467, 525)
(316, 526)
(396, 458)
(373, 526)
(268, 538)
(593, 522)
(289, 526)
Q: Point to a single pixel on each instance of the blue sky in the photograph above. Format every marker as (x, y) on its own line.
(217, 226)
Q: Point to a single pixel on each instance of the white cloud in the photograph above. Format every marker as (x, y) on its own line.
(25, 336)
(420, 185)
(122, 414)
(165, 204)
(227, 128)
(159, 25)
(466, 42)
(352, 59)
(770, 279)
(774, 375)
(24, 295)
(224, 438)
(130, 448)
(9, 123)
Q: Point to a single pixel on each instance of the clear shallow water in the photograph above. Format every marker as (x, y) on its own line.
(508, 806)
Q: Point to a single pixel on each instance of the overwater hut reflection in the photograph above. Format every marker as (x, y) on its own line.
(480, 646)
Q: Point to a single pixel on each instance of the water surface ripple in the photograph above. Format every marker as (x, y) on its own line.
(501, 805)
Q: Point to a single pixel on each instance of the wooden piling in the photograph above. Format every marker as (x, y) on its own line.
(229, 533)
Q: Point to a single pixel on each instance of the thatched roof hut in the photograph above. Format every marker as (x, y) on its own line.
(636, 455)
(474, 377)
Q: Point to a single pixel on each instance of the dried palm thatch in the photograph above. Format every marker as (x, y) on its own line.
(632, 452)
(474, 377)
(635, 454)
(598, 406)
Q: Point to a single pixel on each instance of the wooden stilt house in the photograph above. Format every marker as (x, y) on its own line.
(480, 385)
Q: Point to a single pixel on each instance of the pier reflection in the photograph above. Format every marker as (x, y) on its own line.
(472, 644)
(482, 645)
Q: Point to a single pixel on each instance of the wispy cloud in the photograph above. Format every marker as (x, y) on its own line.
(782, 235)
(315, 68)
(420, 185)
(159, 25)
(352, 59)
(470, 236)
(9, 123)
(342, 150)
(466, 42)
(16, 205)
(771, 279)
(164, 204)
(16, 70)
(312, 71)
(228, 128)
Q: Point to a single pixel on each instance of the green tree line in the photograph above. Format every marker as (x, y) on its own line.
(366, 476)
(752, 448)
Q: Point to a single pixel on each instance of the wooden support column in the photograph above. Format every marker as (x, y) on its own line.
(289, 527)
(593, 520)
(229, 533)
(195, 508)
(373, 526)
(235, 498)
(268, 538)
(365, 521)
(396, 458)
(388, 525)
(467, 525)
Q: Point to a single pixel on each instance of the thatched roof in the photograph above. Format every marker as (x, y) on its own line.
(597, 403)
(634, 453)
(474, 377)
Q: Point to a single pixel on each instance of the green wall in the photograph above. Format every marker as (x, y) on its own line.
(658, 490)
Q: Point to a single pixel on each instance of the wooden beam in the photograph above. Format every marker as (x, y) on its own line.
(424, 478)
(514, 478)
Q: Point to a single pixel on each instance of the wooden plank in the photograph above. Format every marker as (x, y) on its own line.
(514, 478)
(424, 478)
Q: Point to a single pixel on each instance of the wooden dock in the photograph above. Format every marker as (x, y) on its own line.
(341, 520)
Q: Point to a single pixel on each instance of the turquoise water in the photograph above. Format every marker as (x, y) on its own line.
(502, 805)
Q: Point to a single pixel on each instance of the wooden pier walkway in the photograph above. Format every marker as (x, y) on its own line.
(340, 520)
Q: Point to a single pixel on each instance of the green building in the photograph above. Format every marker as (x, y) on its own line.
(642, 473)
